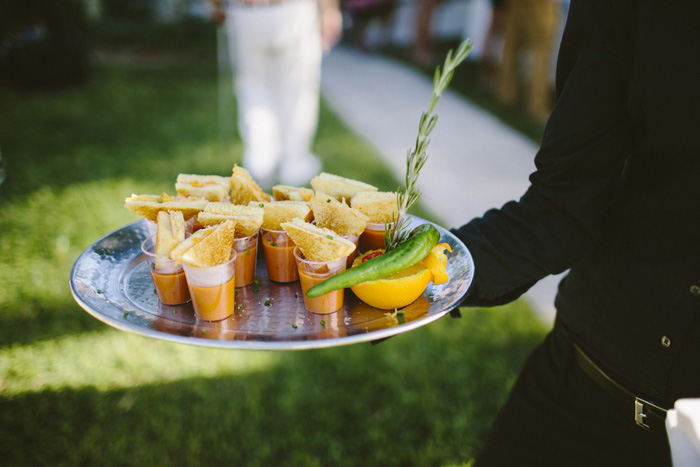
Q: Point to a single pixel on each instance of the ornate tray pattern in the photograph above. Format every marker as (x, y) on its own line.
(111, 281)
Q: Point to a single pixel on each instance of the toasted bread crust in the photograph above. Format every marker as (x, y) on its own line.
(317, 243)
(170, 233)
(207, 247)
(209, 187)
(291, 193)
(277, 212)
(336, 216)
(248, 218)
(380, 207)
(244, 189)
(148, 206)
(339, 187)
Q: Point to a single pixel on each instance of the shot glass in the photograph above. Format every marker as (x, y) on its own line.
(279, 256)
(152, 227)
(373, 237)
(212, 289)
(246, 258)
(168, 276)
(315, 272)
(351, 257)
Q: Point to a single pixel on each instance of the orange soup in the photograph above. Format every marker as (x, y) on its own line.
(171, 288)
(327, 303)
(245, 265)
(372, 240)
(279, 257)
(213, 303)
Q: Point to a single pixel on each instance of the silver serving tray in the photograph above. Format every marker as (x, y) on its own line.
(110, 280)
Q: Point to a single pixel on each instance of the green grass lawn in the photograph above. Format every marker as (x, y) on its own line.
(74, 391)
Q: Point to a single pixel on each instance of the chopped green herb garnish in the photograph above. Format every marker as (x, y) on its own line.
(267, 303)
(172, 311)
(399, 312)
(255, 288)
(246, 251)
(328, 200)
(261, 205)
(330, 237)
(100, 291)
(294, 326)
(256, 281)
(126, 314)
(323, 323)
(204, 331)
(240, 305)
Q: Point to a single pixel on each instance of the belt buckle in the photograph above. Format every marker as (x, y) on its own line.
(643, 410)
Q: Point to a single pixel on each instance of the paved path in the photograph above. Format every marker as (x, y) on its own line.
(475, 163)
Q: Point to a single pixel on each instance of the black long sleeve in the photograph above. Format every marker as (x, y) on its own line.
(614, 196)
(557, 221)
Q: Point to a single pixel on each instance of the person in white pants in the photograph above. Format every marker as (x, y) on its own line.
(276, 48)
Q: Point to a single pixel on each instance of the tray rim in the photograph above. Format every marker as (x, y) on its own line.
(371, 336)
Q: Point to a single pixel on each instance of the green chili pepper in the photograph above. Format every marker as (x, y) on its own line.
(420, 242)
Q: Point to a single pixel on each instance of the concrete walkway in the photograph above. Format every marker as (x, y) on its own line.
(475, 162)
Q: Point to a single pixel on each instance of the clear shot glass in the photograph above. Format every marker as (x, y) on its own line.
(213, 289)
(246, 258)
(279, 256)
(373, 237)
(168, 276)
(315, 272)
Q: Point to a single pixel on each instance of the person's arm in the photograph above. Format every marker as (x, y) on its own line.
(218, 11)
(331, 22)
(580, 161)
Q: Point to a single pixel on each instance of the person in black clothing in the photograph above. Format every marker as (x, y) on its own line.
(613, 199)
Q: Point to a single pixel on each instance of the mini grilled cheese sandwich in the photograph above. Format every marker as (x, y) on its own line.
(316, 243)
(207, 247)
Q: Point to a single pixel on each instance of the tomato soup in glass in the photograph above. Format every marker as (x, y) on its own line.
(315, 272)
(246, 259)
(212, 289)
(279, 256)
(373, 237)
(167, 275)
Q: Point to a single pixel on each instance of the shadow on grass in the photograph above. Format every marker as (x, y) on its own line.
(424, 398)
(39, 321)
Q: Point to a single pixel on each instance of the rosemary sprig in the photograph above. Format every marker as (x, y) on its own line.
(409, 194)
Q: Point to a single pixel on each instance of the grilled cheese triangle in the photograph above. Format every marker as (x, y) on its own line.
(170, 233)
(207, 247)
(339, 187)
(244, 189)
(209, 187)
(277, 212)
(317, 243)
(380, 207)
(291, 193)
(248, 218)
(148, 206)
(336, 216)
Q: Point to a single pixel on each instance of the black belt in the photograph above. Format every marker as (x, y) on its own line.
(646, 414)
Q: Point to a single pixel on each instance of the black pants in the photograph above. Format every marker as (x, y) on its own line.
(557, 415)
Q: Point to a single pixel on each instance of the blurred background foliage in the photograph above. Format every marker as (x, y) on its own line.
(74, 391)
